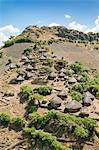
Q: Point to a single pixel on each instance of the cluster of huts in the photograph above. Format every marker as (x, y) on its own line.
(31, 72)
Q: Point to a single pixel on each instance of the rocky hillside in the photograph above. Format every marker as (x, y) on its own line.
(58, 32)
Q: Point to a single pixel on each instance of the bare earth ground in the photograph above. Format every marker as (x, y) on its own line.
(89, 57)
(15, 108)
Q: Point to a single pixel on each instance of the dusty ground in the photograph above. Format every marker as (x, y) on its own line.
(89, 57)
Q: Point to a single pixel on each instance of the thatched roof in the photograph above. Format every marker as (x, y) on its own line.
(87, 100)
(62, 70)
(52, 76)
(61, 75)
(72, 80)
(88, 94)
(42, 50)
(20, 78)
(55, 102)
(29, 67)
(12, 66)
(84, 112)
(29, 75)
(63, 94)
(73, 106)
(24, 58)
(42, 58)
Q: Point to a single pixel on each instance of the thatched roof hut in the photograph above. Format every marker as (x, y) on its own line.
(29, 67)
(88, 94)
(55, 102)
(20, 79)
(84, 112)
(42, 50)
(63, 94)
(73, 106)
(12, 66)
(87, 100)
(61, 75)
(52, 76)
(42, 58)
(29, 75)
(72, 80)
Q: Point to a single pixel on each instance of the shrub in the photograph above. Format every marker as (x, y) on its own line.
(1, 54)
(44, 139)
(76, 96)
(18, 122)
(60, 63)
(43, 90)
(81, 133)
(26, 92)
(77, 67)
(4, 119)
(21, 72)
(93, 86)
(81, 87)
(9, 60)
(48, 62)
(9, 43)
(22, 40)
(84, 77)
(44, 70)
(69, 73)
(8, 93)
(27, 51)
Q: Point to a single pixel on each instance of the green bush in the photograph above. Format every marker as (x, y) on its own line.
(48, 62)
(26, 91)
(21, 72)
(27, 51)
(69, 73)
(8, 93)
(43, 90)
(18, 122)
(70, 124)
(80, 87)
(81, 133)
(77, 67)
(76, 96)
(23, 40)
(84, 77)
(45, 70)
(93, 86)
(9, 43)
(4, 119)
(44, 139)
